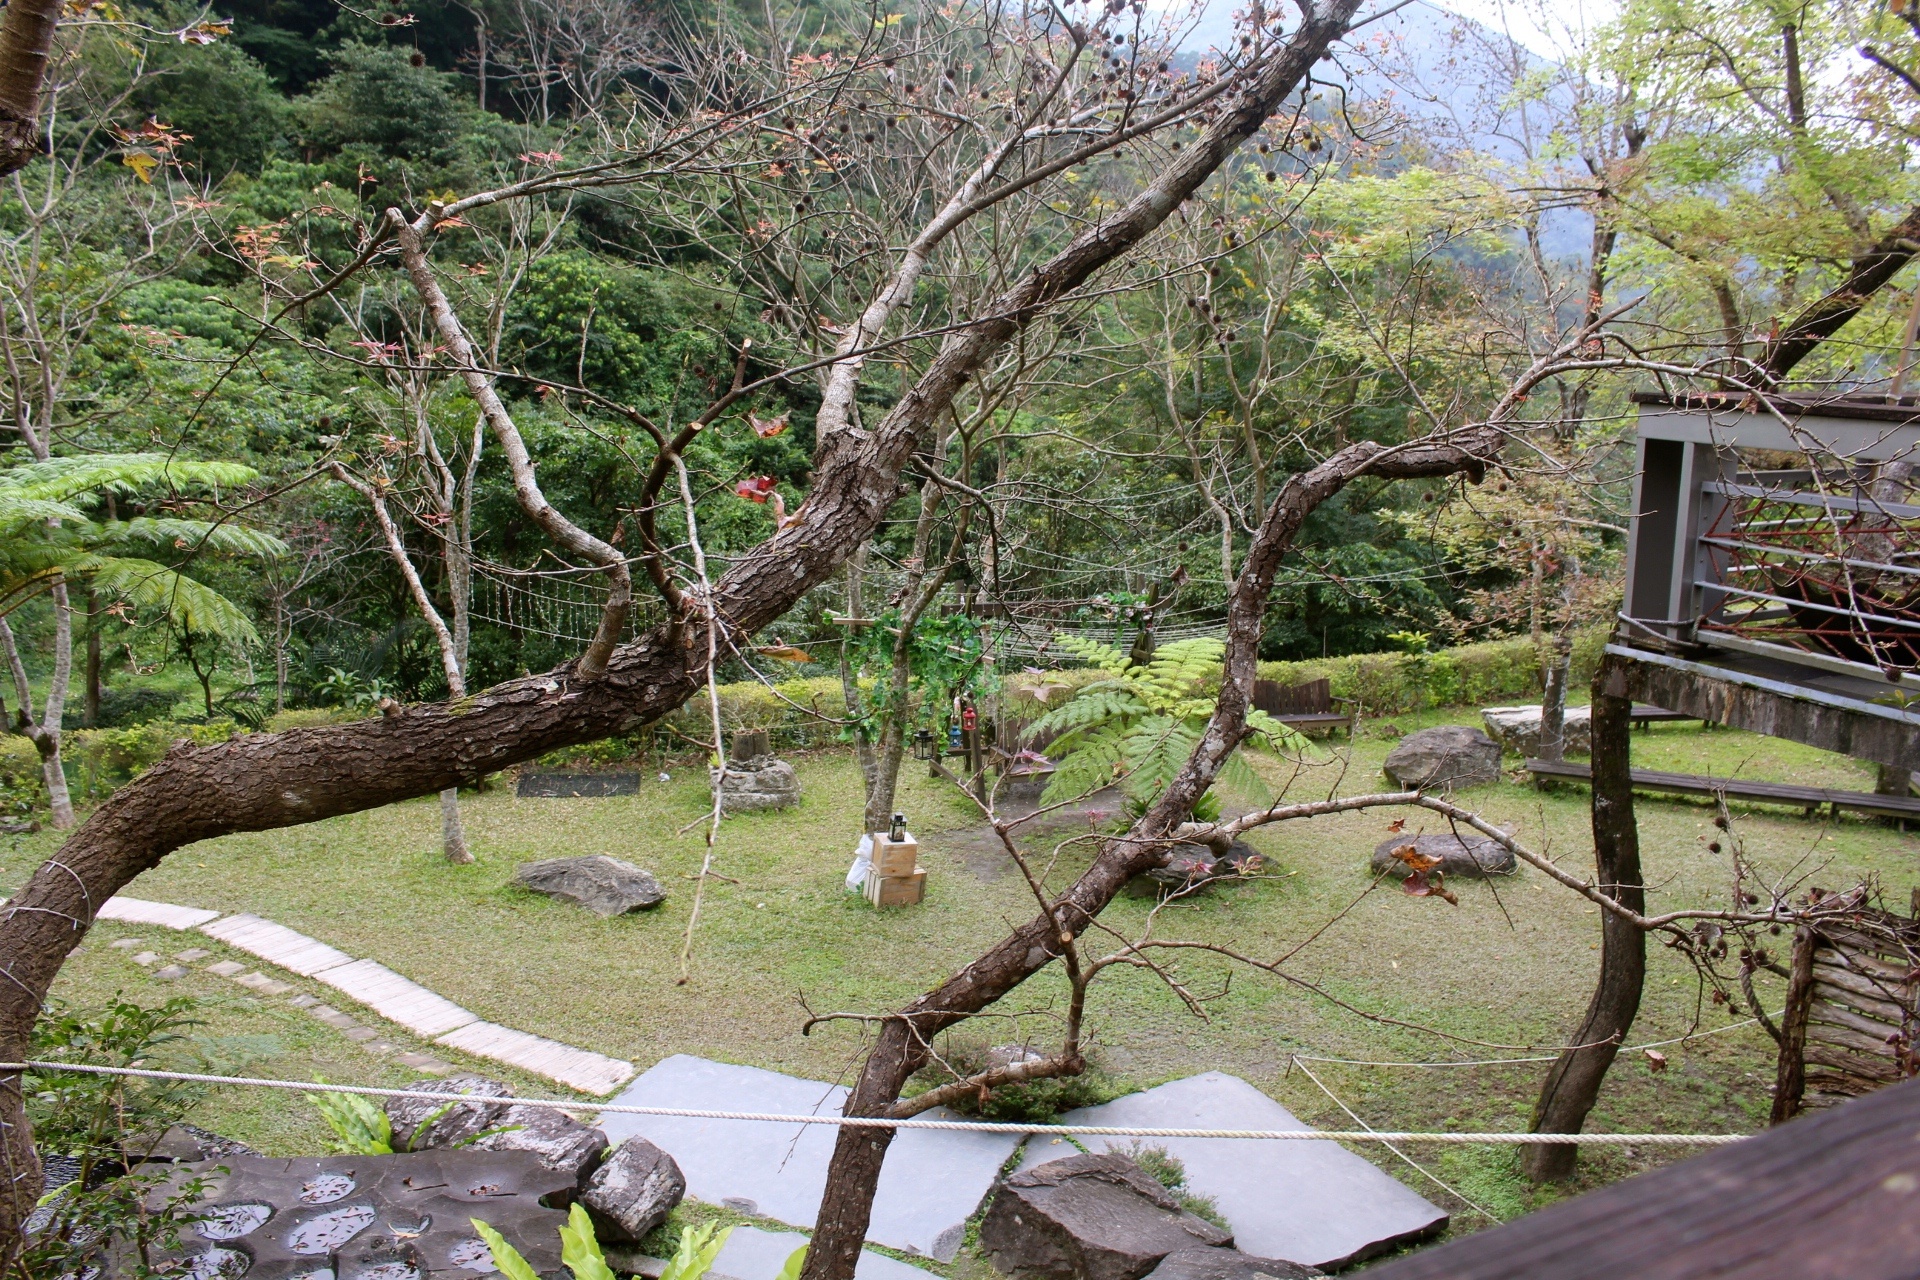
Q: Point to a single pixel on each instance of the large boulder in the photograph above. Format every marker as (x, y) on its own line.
(1203, 1262)
(1518, 729)
(1088, 1217)
(1458, 856)
(1444, 758)
(1193, 866)
(446, 1126)
(551, 1136)
(634, 1191)
(605, 886)
(763, 782)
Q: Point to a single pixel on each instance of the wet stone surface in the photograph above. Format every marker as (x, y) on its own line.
(399, 1217)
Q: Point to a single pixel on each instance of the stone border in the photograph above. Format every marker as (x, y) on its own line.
(392, 996)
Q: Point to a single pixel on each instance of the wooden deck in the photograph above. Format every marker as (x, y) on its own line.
(1808, 798)
(1833, 1196)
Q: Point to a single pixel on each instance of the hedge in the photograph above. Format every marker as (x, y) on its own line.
(1473, 675)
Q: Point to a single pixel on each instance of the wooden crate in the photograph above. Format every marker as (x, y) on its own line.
(896, 891)
(895, 857)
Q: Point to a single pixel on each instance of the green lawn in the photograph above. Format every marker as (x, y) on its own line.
(1510, 967)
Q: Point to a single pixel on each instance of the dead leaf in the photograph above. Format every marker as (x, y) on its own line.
(1430, 885)
(1396, 826)
(768, 428)
(142, 165)
(1656, 1060)
(784, 653)
(1415, 860)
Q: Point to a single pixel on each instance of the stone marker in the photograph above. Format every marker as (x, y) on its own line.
(931, 1183)
(574, 786)
(460, 1125)
(605, 886)
(1458, 856)
(1204, 1263)
(753, 1254)
(1088, 1217)
(764, 782)
(1446, 757)
(634, 1191)
(1311, 1202)
(397, 1217)
(1518, 729)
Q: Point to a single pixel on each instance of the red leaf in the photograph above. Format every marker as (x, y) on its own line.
(758, 489)
(1656, 1060)
(768, 428)
(1396, 826)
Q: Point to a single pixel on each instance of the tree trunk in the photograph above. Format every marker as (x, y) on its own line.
(92, 719)
(1573, 1084)
(26, 38)
(453, 833)
(46, 735)
(1553, 703)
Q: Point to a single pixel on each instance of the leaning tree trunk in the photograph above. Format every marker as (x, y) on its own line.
(1573, 1084)
(1553, 700)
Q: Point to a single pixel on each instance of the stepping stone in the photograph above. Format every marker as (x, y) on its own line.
(425, 1062)
(260, 982)
(1310, 1202)
(171, 972)
(931, 1183)
(146, 958)
(166, 914)
(397, 999)
(129, 942)
(304, 1001)
(191, 954)
(753, 1254)
(576, 1068)
(277, 944)
(226, 968)
(359, 1033)
(378, 1046)
(332, 1016)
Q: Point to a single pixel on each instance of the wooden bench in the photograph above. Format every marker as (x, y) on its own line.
(1302, 706)
(1808, 798)
(1644, 714)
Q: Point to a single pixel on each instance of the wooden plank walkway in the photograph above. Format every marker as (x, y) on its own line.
(398, 999)
(581, 1069)
(164, 914)
(277, 944)
(1809, 798)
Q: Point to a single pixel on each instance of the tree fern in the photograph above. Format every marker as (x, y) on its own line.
(1143, 723)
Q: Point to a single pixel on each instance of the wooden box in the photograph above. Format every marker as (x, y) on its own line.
(896, 891)
(895, 857)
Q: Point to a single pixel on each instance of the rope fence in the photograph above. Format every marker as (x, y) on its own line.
(954, 1126)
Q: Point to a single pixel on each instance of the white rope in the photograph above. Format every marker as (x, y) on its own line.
(1552, 1057)
(961, 1126)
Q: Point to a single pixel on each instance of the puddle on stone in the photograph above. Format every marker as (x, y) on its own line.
(471, 1254)
(407, 1227)
(231, 1221)
(326, 1188)
(326, 1232)
(383, 1259)
(216, 1264)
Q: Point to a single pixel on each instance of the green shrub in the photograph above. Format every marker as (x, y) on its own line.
(1474, 675)
(22, 786)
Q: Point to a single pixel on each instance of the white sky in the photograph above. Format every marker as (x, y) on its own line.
(1540, 25)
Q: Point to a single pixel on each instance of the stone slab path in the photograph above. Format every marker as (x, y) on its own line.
(931, 1183)
(1311, 1202)
(753, 1254)
(387, 993)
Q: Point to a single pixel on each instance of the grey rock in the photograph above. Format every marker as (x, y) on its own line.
(1193, 866)
(1517, 729)
(764, 782)
(634, 1191)
(187, 1143)
(1001, 1056)
(605, 886)
(1458, 856)
(1203, 1262)
(1088, 1217)
(555, 1138)
(464, 1122)
(1446, 757)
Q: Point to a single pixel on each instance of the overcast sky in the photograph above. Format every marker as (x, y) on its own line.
(1540, 25)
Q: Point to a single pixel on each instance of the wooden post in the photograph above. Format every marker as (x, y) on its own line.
(1573, 1084)
(1790, 1078)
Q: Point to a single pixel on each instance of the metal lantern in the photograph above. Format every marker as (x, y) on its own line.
(922, 744)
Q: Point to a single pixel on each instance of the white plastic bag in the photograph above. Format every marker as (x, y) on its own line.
(862, 866)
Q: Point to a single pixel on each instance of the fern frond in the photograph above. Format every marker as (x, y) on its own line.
(169, 531)
(1093, 652)
(1266, 733)
(189, 605)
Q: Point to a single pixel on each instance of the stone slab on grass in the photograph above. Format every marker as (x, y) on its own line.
(753, 1254)
(931, 1183)
(166, 914)
(1315, 1203)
